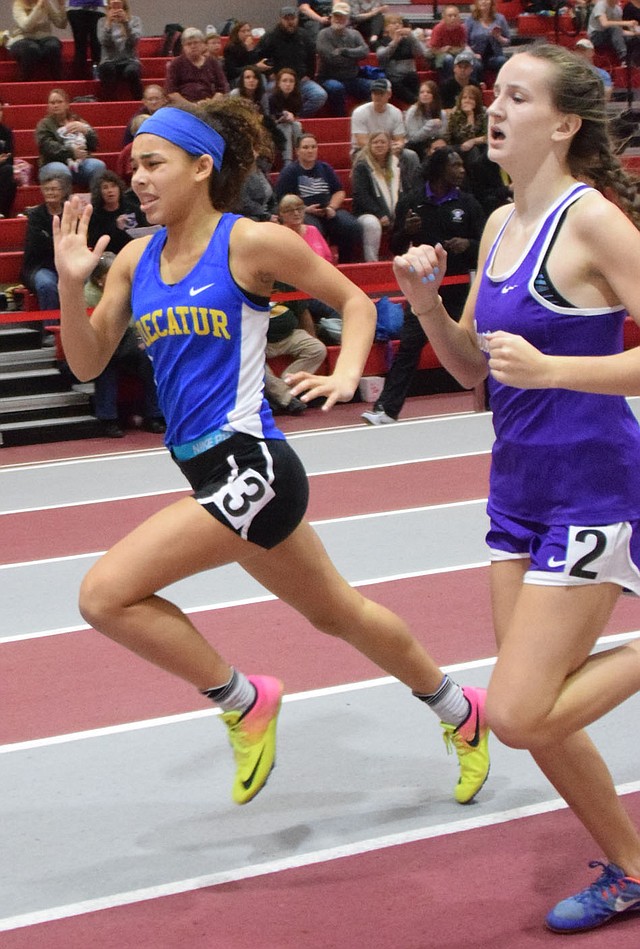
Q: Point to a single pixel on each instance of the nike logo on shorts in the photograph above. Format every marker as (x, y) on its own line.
(552, 563)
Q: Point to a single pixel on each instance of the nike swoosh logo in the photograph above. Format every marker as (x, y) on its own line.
(476, 738)
(249, 781)
(193, 292)
(508, 288)
(552, 562)
(623, 903)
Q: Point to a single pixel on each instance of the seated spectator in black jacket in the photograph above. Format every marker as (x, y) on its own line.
(241, 50)
(437, 211)
(114, 212)
(8, 185)
(39, 272)
(287, 45)
(193, 76)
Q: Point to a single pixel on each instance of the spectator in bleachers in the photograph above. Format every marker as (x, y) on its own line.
(378, 179)
(323, 195)
(488, 33)
(213, 43)
(607, 28)
(251, 87)
(32, 43)
(426, 118)
(467, 131)
(242, 50)
(257, 199)
(38, 266)
(463, 67)
(123, 161)
(114, 211)
(326, 322)
(119, 33)
(285, 104)
(340, 49)
(397, 52)
(66, 142)
(288, 45)
(368, 18)
(8, 184)
(153, 98)
(83, 16)
(291, 212)
(193, 76)
(130, 358)
(314, 16)
(586, 50)
(377, 116)
(448, 38)
(436, 212)
(291, 332)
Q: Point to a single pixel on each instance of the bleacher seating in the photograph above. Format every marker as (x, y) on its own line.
(27, 105)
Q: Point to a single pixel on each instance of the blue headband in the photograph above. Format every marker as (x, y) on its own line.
(186, 131)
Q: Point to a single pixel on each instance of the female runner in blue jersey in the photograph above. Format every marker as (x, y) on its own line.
(199, 291)
(544, 321)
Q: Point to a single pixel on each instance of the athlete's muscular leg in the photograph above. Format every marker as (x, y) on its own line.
(572, 765)
(299, 572)
(118, 594)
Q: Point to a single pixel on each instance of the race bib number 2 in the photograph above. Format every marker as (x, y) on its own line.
(590, 550)
(241, 499)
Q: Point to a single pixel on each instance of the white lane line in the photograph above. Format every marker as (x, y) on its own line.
(290, 863)
(125, 727)
(248, 601)
(184, 489)
(346, 519)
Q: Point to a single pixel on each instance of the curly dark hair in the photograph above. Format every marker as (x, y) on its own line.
(245, 137)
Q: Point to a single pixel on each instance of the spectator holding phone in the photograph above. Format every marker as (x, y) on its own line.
(119, 33)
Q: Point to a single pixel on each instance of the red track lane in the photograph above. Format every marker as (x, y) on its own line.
(80, 681)
(484, 889)
(65, 531)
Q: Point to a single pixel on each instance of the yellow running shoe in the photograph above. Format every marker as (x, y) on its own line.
(471, 743)
(252, 736)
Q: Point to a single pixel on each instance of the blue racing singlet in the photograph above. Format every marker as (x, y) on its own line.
(206, 340)
(559, 457)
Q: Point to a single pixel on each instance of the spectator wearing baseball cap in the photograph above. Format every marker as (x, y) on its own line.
(586, 50)
(377, 116)
(288, 46)
(463, 69)
(340, 49)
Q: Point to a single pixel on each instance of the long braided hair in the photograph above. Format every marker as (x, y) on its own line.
(576, 89)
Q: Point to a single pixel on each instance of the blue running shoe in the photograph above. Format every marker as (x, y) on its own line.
(612, 893)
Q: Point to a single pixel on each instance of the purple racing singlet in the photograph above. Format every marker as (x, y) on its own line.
(559, 457)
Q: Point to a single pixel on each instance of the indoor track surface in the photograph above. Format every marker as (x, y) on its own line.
(118, 828)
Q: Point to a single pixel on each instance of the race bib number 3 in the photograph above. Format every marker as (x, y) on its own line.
(241, 499)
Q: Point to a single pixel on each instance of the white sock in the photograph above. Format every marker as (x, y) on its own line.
(238, 694)
(448, 702)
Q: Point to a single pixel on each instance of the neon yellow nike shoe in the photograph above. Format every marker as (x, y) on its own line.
(471, 744)
(252, 736)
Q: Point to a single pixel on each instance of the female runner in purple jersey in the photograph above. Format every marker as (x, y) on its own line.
(250, 490)
(543, 324)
